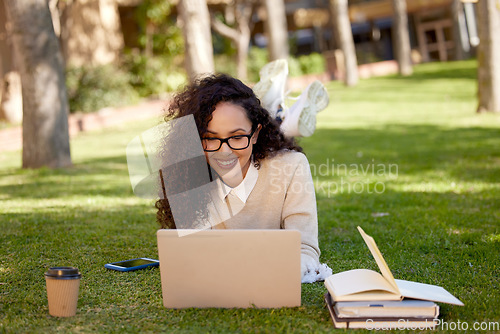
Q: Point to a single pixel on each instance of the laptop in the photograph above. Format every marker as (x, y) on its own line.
(230, 268)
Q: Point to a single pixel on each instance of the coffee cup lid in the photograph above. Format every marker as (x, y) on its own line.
(63, 273)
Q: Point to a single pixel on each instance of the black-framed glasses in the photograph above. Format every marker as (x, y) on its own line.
(239, 142)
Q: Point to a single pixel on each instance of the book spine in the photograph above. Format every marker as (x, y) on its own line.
(330, 289)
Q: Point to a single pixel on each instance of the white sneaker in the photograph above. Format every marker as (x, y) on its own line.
(271, 87)
(300, 118)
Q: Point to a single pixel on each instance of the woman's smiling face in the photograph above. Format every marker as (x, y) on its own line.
(230, 120)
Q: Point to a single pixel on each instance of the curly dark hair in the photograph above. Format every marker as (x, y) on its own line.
(200, 99)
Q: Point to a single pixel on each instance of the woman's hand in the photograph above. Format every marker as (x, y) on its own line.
(312, 270)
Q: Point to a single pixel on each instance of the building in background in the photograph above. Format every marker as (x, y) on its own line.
(437, 31)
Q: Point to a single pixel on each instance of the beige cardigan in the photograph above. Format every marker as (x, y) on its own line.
(283, 198)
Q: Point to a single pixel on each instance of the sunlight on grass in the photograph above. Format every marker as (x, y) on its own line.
(408, 159)
(447, 100)
(493, 238)
(443, 187)
(77, 202)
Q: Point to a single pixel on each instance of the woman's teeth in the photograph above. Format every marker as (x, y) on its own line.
(226, 162)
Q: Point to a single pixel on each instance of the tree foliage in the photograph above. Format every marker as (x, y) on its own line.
(159, 33)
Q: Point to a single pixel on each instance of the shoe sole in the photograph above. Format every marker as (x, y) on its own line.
(261, 88)
(271, 72)
(273, 69)
(317, 100)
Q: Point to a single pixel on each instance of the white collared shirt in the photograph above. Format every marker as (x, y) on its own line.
(242, 190)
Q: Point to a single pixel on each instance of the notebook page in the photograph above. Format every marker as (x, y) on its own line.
(382, 265)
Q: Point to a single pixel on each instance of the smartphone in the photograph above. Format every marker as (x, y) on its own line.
(134, 264)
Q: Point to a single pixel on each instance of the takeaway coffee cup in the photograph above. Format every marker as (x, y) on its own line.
(62, 290)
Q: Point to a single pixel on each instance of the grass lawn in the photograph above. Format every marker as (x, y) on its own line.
(405, 158)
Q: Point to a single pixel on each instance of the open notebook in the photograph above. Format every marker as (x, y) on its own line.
(366, 285)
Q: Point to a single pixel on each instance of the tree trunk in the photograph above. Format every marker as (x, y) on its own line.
(239, 35)
(90, 32)
(11, 99)
(460, 35)
(243, 43)
(5, 51)
(401, 37)
(56, 16)
(488, 56)
(277, 30)
(45, 104)
(343, 34)
(197, 37)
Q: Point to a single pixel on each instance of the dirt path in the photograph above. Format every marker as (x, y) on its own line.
(11, 138)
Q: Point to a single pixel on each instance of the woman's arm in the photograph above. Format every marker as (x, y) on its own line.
(299, 207)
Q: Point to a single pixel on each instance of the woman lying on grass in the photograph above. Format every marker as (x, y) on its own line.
(264, 178)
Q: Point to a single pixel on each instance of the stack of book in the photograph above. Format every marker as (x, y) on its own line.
(383, 315)
(363, 298)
